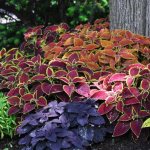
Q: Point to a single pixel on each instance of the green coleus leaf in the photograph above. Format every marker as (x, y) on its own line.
(146, 124)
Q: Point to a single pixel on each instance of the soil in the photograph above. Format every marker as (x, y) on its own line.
(120, 143)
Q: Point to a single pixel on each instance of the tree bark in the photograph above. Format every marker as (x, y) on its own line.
(133, 15)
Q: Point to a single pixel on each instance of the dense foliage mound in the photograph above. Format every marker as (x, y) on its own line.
(63, 125)
(71, 65)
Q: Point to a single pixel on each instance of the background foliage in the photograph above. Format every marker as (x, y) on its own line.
(29, 13)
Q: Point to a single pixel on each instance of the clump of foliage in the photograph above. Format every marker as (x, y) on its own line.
(7, 123)
(74, 125)
(126, 98)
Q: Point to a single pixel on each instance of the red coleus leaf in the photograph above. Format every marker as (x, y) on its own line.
(14, 100)
(120, 106)
(38, 77)
(21, 91)
(78, 79)
(72, 74)
(125, 117)
(117, 77)
(100, 95)
(42, 69)
(143, 113)
(68, 89)
(13, 92)
(104, 109)
(121, 128)
(131, 101)
(13, 110)
(46, 87)
(41, 101)
(23, 78)
(73, 57)
(56, 88)
(83, 89)
(28, 107)
(57, 63)
(126, 93)
(145, 84)
(49, 72)
(64, 79)
(112, 115)
(60, 73)
(134, 71)
(27, 97)
(136, 126)
(63, 97)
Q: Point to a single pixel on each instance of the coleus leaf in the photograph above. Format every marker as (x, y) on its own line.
(145, 84)
(134, 71)
(13, 110)
(27, 97)
(23, 78)
(41, 101)
(100, 95)
(121, 128)
(28, 107)
(46, 88)
(83, 89)
(131, 101)
(68, 89)
(104, 109)
(38, 77)
(117, 77)
(14, 100)
(49, 72)
(136, 126)
(72, 74)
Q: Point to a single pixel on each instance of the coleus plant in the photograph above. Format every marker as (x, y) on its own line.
(74, 125)
(32, 81)
(126, 98)
(97, 46)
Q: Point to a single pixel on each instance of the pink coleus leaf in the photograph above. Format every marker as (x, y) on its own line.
(126, 93)
(100, 95)
(68, 89)
(121, 128)
(78, 79)
(104, 109)
(118, 87)
(23, 78)
(64, 79)
(117, 77)
(41, 101)
(83, 89)
(129, 81)
(136, 126)
(38, 77)
(145, 84)
(28, 107)
(13, 110)
(27, 97)
(14, 100)
(110, 100)
(134, 91)
(134, 71)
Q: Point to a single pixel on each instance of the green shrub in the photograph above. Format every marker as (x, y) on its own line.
(7, 123)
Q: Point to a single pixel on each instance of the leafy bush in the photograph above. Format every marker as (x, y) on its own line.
(7, 123)
(73, 125)
(126, 98)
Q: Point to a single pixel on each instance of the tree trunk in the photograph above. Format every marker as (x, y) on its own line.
(133, 15)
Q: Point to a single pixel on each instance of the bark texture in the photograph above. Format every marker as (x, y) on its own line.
(133, 15)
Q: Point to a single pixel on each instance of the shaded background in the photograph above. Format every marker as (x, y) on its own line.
(17, 15)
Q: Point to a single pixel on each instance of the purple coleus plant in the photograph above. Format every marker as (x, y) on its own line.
(74, 125)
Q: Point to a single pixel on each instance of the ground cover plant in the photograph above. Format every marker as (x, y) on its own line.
(71, 65)
(7, 123)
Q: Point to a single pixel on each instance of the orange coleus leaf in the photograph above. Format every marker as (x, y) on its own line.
(127, 56)
(78, 42)
(91, 46)
(92, 65)
(108, 52)
(125, 42)
(68, 42)
(106, 43)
